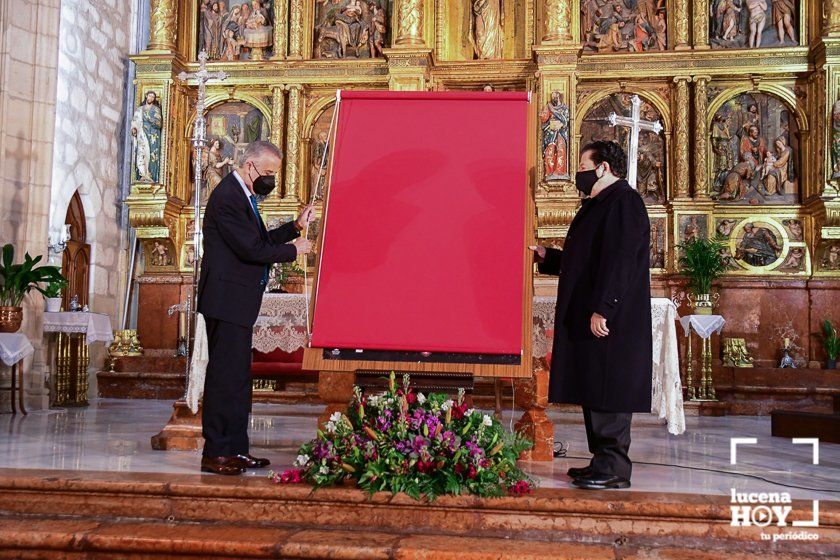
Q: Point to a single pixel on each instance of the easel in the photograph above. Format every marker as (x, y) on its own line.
(338, 373)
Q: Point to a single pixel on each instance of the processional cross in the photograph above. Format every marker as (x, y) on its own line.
(636, 125)
(199, 142)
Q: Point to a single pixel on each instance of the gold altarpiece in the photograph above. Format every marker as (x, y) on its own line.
(687, 61)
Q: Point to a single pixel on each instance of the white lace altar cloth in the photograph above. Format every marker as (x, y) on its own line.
(704, 325)
(14, 347)
(281, 324)
(96, 326)
(666, 398)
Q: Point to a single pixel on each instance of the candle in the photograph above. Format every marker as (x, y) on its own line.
(787, 343)
(182, 324)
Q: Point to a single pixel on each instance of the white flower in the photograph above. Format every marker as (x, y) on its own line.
(469, 412)
(301, 460)
(335, 417)
(330, 426)
(487, 421)
(446, 405)
(421, 398)
(324, 469)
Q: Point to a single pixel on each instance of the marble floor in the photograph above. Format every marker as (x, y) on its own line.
(113, 435)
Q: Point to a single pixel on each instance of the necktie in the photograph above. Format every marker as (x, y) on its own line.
(259, 223)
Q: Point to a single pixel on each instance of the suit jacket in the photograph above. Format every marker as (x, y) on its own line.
(237, 248)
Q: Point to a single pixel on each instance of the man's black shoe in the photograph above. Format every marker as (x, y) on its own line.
(601, 482)
(579, 472)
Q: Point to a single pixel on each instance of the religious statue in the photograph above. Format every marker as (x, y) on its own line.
(614, 26)
(835, 141)
(691, 231)
(146, 128)
(757, 128)
(554, 121)
(758, 246)
(214, 167)
(794, 227)
(753, 23)
(657, 250)
(487, 17)
(725, 226)
(650, 181)
(236, 34)
(319, 151)
(831, 257)
(160, 255)
(794, 260)
(350, 28)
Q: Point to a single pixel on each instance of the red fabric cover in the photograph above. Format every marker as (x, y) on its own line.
(279, 356)
(424, 227)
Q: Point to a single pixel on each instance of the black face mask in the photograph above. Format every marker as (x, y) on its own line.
(585, 180)
(263, 184)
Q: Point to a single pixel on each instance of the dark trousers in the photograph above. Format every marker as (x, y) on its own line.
(227, 389)
(608, 436)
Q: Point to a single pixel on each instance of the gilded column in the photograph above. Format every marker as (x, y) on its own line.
(164, 25)
(296, 29)
(700, 19)
(701, 138)
(558, 22)
(278, 108)
(410, 23)
(281, 28)
(293, 144)
(681, 147)
(681, 25)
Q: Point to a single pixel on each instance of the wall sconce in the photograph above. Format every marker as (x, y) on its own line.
(58, 241)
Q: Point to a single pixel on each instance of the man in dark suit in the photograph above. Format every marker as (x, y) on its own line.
(602, 355)
(238, 249)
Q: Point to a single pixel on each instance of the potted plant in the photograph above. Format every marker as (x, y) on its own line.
(701, 261)
(16, 281)
(290, 277)
(52, 295)
(831, 343)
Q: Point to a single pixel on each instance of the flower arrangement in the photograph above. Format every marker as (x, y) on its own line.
(424, 446)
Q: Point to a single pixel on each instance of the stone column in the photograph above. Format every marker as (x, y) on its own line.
(293, 144)
(278, 110)
(558, 22)
(701, 138)
(681, 145)
(281, 27)
(296, 30)
(409, 23)
(680, 25)
(700, 19)
(164, 25)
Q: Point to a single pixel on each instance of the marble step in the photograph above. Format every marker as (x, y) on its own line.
(640, 524)
(46, 537)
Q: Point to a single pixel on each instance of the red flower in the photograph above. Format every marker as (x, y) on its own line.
(411, 398)
(292, 476)
(520, 488)
(472, 472)
(425, 466)
(458, 411)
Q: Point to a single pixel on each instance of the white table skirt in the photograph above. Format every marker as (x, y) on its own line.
(704, 325)
(96, 326)
(14, 347)
(666, 397)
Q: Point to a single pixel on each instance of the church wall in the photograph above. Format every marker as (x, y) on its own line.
(94, 43)
(28, 58)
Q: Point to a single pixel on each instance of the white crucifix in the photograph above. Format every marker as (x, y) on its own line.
(636, 125)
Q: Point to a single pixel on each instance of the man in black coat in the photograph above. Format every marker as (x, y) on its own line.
(602, 354)
(238, 250)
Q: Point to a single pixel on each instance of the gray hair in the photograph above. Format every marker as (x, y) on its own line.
(260, 148)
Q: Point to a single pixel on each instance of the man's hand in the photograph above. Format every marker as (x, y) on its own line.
(539, 252)
(599, 326)
(303, 245)
(307, 215)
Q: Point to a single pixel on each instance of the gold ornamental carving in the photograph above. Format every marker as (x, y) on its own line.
(681, 147)
(700, 23)
(164, 24)
(681, 24)
(296, 29)
(557, 22)
(293, 143)
(701, 174)
(410, 23)
(278, 109)
(281, 30)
